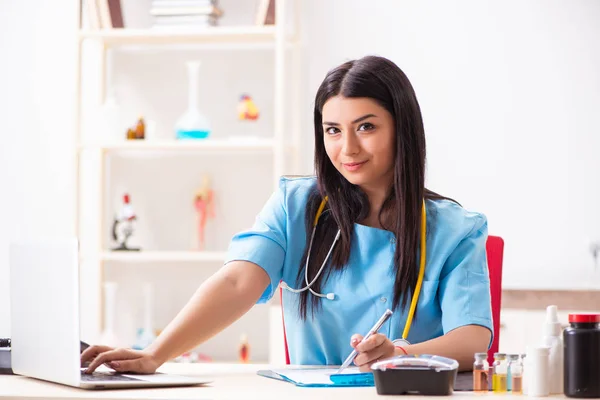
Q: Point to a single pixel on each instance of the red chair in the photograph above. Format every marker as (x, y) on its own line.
(495, 255)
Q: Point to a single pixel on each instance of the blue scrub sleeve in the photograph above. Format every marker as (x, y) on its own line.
(464, 290)
(265, 243)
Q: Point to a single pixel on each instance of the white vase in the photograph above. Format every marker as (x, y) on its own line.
(193, 124)
(108, 119)
(147, 335)
(109, 336)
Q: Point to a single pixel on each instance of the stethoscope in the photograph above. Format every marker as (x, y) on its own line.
(331, 296)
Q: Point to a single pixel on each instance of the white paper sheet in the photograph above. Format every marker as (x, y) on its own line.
(314, 376)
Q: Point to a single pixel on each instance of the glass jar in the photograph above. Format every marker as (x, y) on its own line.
(515, 374)
(500, 369)
(481, 369)
(581, 359)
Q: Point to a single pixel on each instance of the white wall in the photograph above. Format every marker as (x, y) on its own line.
(37, 50)
(510, 93)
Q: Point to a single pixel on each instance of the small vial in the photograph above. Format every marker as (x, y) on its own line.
(481, 368)
(510, 358)
(515, 374)
(524, 375)
(244, 349)
(499, 374)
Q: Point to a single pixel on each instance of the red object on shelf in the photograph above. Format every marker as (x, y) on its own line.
(244, 350)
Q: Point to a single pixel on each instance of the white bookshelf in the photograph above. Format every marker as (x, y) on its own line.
(281, 145)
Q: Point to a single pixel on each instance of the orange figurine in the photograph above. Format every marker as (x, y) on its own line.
(204, 205)
(140, 129)
(247, 109)
(137, 132)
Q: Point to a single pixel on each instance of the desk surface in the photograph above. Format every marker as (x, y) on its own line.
(230, 382)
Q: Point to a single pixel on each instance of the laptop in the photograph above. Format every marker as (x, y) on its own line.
(44, 297)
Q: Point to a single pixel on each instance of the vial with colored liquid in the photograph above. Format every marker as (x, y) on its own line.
(509, 358)
(500, 370)
(481, 369)
(244, 349)
(515, 374)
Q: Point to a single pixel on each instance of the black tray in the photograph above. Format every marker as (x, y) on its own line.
(425, 381)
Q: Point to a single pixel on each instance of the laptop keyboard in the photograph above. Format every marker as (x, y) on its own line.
(101, 376)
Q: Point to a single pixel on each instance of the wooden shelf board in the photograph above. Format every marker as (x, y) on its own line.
(217, 34)
(163, 256)
(176, 145)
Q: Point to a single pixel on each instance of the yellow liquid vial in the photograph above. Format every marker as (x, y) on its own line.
(499, 383)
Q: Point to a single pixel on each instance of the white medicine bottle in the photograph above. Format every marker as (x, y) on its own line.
(552, 338)
(537, 371)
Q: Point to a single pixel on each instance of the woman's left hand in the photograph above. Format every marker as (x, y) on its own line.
(376, 347)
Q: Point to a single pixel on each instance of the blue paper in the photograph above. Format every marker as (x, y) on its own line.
(321, 377)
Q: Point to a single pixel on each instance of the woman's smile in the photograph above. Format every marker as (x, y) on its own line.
(354, 166)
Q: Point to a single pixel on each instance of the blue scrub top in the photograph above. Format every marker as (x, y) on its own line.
(455, 291)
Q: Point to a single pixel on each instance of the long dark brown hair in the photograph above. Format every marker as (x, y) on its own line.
(379, 79)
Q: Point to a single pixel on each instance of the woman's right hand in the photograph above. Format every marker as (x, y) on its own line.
(121, 360)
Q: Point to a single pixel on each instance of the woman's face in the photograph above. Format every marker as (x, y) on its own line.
(359, 138)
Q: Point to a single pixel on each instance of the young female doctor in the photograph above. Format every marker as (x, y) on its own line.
(362, 236)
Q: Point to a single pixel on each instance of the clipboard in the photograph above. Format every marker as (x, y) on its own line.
(321, 377)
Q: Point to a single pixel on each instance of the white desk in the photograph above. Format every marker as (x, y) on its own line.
(230, 382)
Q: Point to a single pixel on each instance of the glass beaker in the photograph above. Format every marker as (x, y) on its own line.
(193, 124)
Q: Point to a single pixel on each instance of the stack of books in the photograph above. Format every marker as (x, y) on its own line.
(189, 14)
(103, 14)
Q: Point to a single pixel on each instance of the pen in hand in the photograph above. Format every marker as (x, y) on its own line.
(373, 330)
